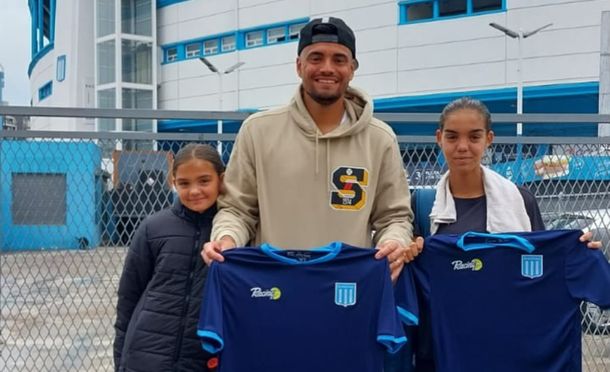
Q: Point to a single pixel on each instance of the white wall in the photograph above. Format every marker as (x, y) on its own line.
(395, 60)
(459, 54)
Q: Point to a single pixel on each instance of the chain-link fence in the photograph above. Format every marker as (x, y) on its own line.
(70, 203)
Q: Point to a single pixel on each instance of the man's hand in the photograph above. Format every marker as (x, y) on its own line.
(586, 237)
(414, 249)
(398, 255)
(394, 251)
(212, 251)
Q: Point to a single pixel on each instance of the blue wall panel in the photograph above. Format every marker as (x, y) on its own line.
(79, 162)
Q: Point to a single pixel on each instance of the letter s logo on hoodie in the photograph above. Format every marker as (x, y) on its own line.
(350, 183)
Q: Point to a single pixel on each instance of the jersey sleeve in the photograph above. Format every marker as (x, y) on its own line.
(587, 274)
(406, 297)
(394, 310)
(210, 325)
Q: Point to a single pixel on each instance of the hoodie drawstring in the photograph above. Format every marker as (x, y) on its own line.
(328, 163)
(317, 156)
(317, 166)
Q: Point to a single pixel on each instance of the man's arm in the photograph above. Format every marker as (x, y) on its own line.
(237, 215)
(392, 216)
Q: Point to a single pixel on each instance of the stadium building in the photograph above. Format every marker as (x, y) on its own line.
(415, 56)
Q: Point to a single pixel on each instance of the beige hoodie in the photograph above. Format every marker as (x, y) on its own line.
(291, 186)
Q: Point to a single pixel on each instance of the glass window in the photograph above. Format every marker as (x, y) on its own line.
(137, 62)
(193, 50)
(419, 11)
(210, 47)
(294, 30)
(227, 43)
(276, 35)
(43, 24)
(60, 68)
(485, 5)
(106, 99)
(254, 38)
(136, 17)
(451, 7)
(45, 91)
(39, 199)
(105, 17)
(133, 99)
(171, 54)
(105, 62)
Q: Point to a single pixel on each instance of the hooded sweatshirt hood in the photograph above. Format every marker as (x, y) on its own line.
(358, 110)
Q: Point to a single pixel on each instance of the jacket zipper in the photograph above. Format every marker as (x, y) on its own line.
(187, 299)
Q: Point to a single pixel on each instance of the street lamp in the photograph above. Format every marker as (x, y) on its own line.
(519, 35)
(220, 74)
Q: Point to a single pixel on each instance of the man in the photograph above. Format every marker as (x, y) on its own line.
(320, 169)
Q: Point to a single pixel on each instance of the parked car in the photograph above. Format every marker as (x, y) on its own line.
(595, 320)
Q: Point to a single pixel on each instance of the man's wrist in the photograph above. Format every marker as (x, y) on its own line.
(228, 239)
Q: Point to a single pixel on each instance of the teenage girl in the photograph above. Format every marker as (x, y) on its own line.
(471, 197)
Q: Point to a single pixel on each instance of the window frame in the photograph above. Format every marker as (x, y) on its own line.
(228, 42)
(258, 42)
(60, 68)
(404, 6)
(295, 35)
(276, 39)
(171, 57)
(233, 43)
(45, 91)
(213, 49)
(189, 54)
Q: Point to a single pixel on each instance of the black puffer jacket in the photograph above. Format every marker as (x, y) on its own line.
(160, 294)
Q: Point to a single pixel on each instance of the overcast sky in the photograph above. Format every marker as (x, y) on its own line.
(15, 50)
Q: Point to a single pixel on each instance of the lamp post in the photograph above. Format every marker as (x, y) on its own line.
(220, 74)
(519, 35)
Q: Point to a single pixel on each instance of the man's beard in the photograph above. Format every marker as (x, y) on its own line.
(323, 100)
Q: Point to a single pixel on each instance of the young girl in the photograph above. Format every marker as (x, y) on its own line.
(161, 286)
(471, 197)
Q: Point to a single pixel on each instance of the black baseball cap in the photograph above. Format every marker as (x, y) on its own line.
(327, 30)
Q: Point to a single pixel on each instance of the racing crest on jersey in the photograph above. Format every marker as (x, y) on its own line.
(531, 265)
(345, 294)
(349, 185)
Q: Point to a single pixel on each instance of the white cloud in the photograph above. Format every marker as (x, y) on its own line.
(15, 49)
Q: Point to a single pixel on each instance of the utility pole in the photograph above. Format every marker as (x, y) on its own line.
(220, 74)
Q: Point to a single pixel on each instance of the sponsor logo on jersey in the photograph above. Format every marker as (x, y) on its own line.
(345, 294)
(273, 294)
(531, 266)
(350, 184)
(474, 265)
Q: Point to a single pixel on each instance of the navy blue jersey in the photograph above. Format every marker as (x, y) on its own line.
(509, 302)
(328, 309)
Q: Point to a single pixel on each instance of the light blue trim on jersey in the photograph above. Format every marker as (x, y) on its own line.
(212, 343)
(392, 343)
(331, 250)
(407, 317)
(494, 241)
